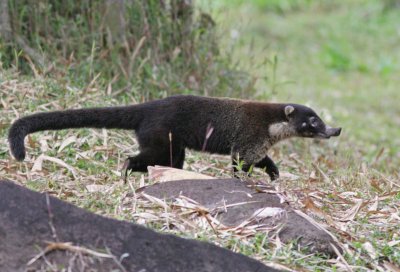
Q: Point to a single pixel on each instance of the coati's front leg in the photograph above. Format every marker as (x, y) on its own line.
(270, 167)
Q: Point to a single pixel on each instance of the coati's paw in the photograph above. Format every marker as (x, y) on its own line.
(132, 164)
(273, 173)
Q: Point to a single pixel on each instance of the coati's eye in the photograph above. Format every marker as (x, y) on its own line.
(304, 124)
(313, 121)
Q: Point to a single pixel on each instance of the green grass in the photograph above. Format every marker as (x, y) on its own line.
(343, 59)
(158, 55)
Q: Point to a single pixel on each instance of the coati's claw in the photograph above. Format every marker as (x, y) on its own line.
(124, 170)
(131, 164)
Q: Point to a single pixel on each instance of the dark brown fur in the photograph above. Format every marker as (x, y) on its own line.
(239, 128)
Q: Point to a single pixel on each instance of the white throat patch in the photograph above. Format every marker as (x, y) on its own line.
(280, 131)
(277, 132)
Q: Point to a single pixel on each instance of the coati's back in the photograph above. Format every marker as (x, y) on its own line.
(188, 118)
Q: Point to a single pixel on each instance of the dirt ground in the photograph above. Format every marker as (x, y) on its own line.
(29, 219)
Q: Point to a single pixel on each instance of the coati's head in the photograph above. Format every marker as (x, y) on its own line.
(304, 122)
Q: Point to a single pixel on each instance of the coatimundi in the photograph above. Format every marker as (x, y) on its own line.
(166, 127)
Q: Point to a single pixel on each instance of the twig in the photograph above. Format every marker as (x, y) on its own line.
(134, 55)
(205, 215)
(209, 131)
(341, 257)
(68, 246)
(170, 148)
(51, 216)
(322, 173)
(124, 170)
(134, 200)
(37, 57)
(118, 261)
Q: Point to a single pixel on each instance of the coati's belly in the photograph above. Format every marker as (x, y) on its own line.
(215, 143)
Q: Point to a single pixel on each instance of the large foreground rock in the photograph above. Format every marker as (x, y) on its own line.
(235, 202)
(25, 224)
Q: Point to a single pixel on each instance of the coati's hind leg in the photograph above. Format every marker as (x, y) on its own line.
(140, 162)
(155, 156)
(179, 159)
(150, 157)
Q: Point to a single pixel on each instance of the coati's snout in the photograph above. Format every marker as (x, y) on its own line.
(307, 123)
(332, 132)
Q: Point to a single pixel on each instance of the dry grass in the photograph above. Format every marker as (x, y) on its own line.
(358, 204)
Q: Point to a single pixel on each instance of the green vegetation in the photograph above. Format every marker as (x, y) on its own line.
(145, 49)
(340, 57)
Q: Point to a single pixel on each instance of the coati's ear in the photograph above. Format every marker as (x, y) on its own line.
(288, 110)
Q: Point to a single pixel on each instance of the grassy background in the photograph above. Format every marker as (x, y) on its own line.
(159, 53)
(340, 57)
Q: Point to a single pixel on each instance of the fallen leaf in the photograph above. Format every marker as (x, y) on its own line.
(268, 212)
(163, 174)
(93, 188)
(351, 213)
(38, 164)
(31, 142)
(66, 143)
(367, 246)
(394, 243)
(374, 206)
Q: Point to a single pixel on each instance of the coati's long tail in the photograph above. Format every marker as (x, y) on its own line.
(113, 117)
